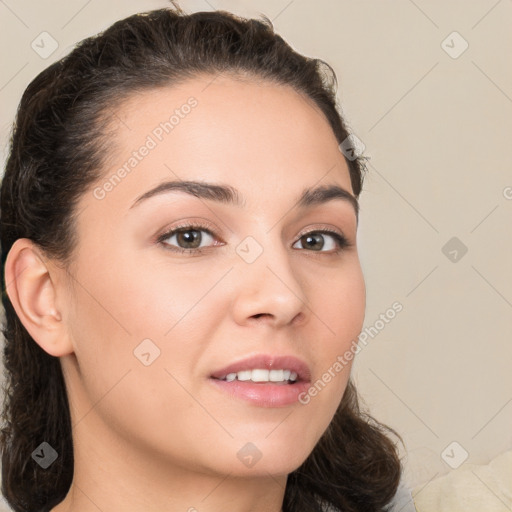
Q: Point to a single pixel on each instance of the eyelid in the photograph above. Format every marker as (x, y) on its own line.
(321, 227)
(187, 224)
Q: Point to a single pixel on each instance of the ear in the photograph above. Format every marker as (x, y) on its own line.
(33, 294)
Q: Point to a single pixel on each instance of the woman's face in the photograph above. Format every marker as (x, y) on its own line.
(173, 351)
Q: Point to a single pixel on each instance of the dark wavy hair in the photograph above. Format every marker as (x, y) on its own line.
(59, 146)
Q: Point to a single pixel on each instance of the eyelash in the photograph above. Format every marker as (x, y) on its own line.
(341, 240)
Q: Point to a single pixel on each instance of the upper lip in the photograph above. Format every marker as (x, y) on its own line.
(267, 362)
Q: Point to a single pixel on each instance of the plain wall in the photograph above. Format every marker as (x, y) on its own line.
(437, 128)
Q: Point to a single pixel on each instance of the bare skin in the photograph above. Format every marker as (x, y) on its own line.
(162, 436)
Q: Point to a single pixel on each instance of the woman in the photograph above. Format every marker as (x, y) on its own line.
(178, 229)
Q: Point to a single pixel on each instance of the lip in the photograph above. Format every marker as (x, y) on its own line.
(266, 362)
(264, 394)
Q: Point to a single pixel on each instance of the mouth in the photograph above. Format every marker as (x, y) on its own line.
(264, 380)
(262, 375)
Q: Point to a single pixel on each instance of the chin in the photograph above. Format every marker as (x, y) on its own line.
(272, 466)
(277, 457)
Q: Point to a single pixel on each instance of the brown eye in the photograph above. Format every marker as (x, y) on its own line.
(318, 241)
(189, 238)
(315, 241)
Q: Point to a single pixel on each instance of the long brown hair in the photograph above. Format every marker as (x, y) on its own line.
(58, 147)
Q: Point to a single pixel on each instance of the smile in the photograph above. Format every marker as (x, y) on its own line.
(262, 375)
(264, 380)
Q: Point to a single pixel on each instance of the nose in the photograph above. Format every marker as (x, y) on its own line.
(268, 290)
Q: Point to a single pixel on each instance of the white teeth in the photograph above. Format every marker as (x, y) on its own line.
(276, 375)
(262, 375)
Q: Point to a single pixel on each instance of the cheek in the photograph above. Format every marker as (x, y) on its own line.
(135, 298)
(136, 343)
(146, 319)
(339, 302)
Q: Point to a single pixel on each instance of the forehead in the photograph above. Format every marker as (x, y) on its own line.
(259, 136)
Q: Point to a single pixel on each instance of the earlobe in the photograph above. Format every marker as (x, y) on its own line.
(33, 294)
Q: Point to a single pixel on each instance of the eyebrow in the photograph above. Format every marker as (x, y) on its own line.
(229, 195)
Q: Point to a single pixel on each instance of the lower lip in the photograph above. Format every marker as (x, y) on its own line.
(264, 394)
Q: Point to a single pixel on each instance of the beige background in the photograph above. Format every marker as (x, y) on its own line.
(437, 131)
